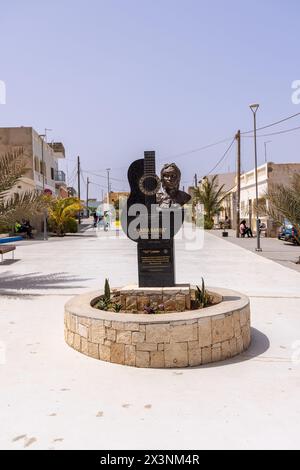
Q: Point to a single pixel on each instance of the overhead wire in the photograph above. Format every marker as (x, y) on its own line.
(273, 124)
(103, 176)
(274, 133)
(222, 158)
(189, 152)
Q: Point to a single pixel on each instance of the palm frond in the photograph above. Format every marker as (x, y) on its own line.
(61, 211)
(21, 206)
(12, 168)
(211, 195)
(284, 202)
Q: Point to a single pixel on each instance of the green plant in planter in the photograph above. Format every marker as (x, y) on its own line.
(103, 304)
(117, 307)
(107, 293)
(106, 302)
(202, 297)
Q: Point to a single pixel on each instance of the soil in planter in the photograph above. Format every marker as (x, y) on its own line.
(114, 304)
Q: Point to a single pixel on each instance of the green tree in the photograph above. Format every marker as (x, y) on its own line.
(61, 212)
(284, 203)
(18, 205)
(211, 195)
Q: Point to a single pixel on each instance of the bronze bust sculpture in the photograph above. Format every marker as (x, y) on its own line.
(171, 196)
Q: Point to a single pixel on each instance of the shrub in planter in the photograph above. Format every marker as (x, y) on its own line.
(71, 226)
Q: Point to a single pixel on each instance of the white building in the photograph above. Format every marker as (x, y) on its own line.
(267, 175)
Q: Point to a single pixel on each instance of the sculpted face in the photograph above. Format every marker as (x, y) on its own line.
(170, 179)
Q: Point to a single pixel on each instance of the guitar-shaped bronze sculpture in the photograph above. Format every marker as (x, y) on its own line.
(153, 217)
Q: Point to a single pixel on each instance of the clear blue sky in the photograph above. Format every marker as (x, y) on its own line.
(113, 78)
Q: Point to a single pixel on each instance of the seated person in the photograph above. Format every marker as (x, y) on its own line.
(27, 228)
(18, 227)
(244, 230)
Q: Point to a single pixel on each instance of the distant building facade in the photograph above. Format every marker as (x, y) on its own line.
(114, 196)
(268, 175)
(41, 158)
(227, 180)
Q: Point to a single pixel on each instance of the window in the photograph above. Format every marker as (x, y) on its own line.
(36, 164)
(43, 168)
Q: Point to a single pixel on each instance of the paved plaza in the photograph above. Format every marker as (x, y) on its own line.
(55, 398)
(282, 252)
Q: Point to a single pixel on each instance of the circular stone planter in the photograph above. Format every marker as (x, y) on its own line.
(179, 339)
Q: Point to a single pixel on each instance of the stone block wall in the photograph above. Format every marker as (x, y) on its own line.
(134, 299)
(168, 343)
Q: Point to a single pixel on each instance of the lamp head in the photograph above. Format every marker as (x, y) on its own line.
(254, 107)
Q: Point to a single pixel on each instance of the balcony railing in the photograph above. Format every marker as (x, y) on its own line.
(60, 176)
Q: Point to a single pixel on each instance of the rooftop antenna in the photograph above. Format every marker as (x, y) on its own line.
(47, 130)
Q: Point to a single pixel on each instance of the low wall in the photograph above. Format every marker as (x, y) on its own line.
(180, 339)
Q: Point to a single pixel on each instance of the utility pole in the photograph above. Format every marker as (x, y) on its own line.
(196, 180)
(45, 236)
(108, 185)
(238, 182)
(78, 179)
(87, 195)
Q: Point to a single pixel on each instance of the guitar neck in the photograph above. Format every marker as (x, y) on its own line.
(149, 163)
(149, 170)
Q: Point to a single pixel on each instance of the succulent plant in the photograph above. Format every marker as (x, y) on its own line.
(107, 290)
(117, 307)
(202, 297)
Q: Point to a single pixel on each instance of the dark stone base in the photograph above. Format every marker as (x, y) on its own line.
(156, 263)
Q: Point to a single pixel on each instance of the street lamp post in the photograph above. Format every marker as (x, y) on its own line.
(254, 108)
(45, 235)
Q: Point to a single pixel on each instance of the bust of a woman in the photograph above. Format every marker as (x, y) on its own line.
(171, 194)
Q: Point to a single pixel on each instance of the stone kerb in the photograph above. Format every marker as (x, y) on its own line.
(180, 339)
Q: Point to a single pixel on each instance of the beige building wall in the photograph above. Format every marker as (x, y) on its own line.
(34, 151)
(13, 139)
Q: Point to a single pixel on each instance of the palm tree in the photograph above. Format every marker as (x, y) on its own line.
(62, 212)
(16, 206)
(284, 203)
(211, 195)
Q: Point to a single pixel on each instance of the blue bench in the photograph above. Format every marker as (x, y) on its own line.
(11, 239)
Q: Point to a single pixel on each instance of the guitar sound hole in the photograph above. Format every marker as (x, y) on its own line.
(149, 184)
